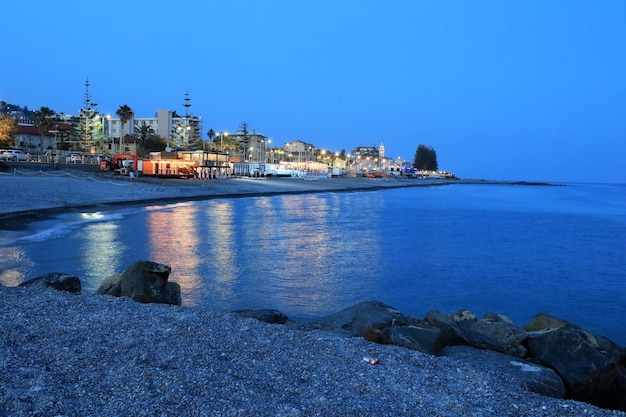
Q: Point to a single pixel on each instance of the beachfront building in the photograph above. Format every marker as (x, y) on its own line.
(364, 159)
(251, 147)
(28, 138)
(298, 151)
(180, 132)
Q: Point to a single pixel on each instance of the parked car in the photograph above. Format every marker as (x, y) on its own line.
(13, 155)
(76, 157)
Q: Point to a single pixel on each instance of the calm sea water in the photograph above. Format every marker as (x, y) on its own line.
(514, 250)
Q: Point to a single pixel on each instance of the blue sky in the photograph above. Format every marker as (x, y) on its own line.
(510, 90)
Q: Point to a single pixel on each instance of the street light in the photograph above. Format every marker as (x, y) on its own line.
(222, 140)
(108, 128)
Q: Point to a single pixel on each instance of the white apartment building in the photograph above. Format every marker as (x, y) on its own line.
(178, 131)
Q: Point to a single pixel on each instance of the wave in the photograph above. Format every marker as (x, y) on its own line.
(59, 227)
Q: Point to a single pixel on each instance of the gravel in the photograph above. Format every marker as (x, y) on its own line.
(90, 355)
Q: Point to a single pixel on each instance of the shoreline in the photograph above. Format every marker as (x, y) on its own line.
(37, 194)
(100, 355)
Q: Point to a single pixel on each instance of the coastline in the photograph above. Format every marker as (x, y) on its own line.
(97, 355)
(33, 194)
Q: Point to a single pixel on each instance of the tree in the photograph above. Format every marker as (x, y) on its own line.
(8, 125)
(211, 135)
(153, 143)
(425, 158)
(144, 131)
(44, 119)
(229, 144)
(246, 139)
(125, 113)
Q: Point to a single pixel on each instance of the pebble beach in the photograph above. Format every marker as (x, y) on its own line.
(89, 355)
(29, 191)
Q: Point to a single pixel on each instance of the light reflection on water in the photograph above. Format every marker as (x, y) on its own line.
(100, 251)
(173, 239)
(220, 253)
(11, 256)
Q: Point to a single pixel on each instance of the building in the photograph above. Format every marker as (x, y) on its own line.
(252, 146)
(28, 138)
(179, 132)
(364, 159)
(365, 152)
(299, 151)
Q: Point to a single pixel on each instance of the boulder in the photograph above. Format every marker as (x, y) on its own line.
(374, 335)
(353, 321)
(55, 281)
(536, 378)
(493, 332)
(266, 315)
(418, 336)
(591, 366)
(145, 282)
(543, 322)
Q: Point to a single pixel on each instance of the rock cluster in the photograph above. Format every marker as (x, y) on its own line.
(551, 356)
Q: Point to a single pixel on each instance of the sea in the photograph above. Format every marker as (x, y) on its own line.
(516, 250)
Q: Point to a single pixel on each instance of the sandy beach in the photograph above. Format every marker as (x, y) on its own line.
(29, 191)
(83, 355)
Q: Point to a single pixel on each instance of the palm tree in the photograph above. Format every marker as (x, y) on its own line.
(211, 135)
(125, 113)
(144, 131)
(44, 119)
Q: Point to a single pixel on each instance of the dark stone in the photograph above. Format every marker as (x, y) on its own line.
(55, 281)
(374, 335)
(145, 282)
(265, 315)
(591, 366)
(352, 321)
(543, 322)
(421, 337)
(493, 332)
(536, 378)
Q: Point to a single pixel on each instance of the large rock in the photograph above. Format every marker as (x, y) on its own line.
(353, 321)
(145, 282)
(55, 281)
(591, 366)
(417, 336)
(266, 315)
(535, 377)
(493, 332)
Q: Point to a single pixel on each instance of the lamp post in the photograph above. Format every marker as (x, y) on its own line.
(222, 140)
(108, 128)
